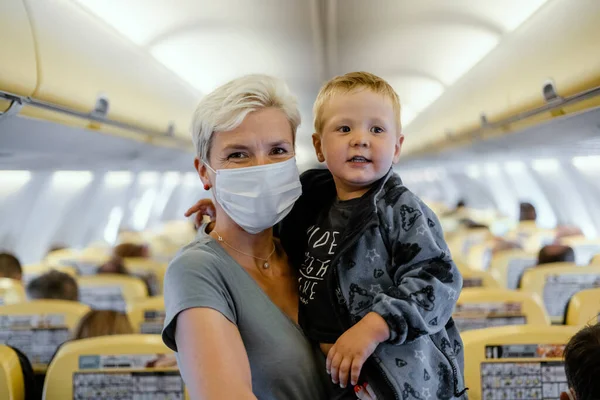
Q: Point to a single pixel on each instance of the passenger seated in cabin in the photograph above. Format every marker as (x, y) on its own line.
(103, 323)
(113, 266)
(555, 253)
(116, 266)
(10, 267)
(53, 285)
(527, 212)
(56, 247)
(132, 250)
(582, 365)
(460, 206)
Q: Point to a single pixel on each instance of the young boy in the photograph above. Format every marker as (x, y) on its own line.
(377, 283)
(582, 364)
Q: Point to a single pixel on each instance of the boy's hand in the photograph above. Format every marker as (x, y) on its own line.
(201, 208)
(352, 349)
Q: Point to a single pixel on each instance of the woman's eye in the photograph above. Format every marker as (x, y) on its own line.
(278, 151)
(237, 155)
(377, 129)
(344, 129)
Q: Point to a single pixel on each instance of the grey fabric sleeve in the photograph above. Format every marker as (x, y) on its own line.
(195, 278)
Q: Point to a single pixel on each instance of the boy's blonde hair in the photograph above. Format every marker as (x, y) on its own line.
(350, 82)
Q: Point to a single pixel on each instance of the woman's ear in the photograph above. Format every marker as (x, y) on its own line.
(318, 147)
(202, 173)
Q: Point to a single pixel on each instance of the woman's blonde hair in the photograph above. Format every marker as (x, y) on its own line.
(103, 323)
(225, 108)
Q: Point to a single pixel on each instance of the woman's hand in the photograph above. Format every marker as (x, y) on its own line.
(201, 208)
(352, 349)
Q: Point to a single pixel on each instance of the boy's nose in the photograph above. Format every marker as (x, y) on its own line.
(359, 139)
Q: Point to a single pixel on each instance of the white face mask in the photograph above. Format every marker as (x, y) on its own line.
(257, 198)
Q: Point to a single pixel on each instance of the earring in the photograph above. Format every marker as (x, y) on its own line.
(206, 186)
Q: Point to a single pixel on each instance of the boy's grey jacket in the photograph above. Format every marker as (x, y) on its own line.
(392, 259)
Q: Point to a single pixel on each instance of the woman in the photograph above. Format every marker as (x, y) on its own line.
(231, 297)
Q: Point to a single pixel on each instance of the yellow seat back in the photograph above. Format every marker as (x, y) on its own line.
(38, 327)
(585, 249)
(480, 255)
(557, 283)
(530, 236)
(86, 262)
(112, 367)
(595, 260)
(12, 385)
(488, 307)
(516, 362)
(32, 271)
(475, 279)
(145, 268)
(584, 308)
(111, 292)
(508, 266)
(461, 241)
(11, 291)
(148, 316)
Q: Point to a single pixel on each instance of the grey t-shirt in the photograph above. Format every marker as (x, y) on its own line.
(283, 363)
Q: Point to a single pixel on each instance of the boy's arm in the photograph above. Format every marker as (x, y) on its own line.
(426, 280)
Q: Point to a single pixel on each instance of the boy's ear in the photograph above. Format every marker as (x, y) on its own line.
(202, 172)
(318, 147)
(398, 148)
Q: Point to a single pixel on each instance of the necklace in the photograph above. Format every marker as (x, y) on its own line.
(264, 260)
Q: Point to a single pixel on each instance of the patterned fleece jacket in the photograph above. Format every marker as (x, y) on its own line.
(392, 259)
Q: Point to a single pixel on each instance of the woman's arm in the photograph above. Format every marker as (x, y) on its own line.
(212, 356)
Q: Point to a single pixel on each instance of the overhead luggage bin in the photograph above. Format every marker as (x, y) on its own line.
(18, 70)
(559, 43)
(81, 62)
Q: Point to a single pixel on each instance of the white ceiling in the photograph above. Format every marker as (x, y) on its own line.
(420, 47)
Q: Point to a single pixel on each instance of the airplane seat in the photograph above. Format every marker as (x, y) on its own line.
(39, 327)
(148, 316)
(584, 308)
(111, 367)
(12, 383)
(148, 269)
(477, 278)
(557, 283)
(530, 236)
(111, 291)
(32, 271)
(480, 255)
(585, 249)
(516, 362)
(508, 266)
(479, 308)
(86, 262)
(11, 291)
(461, 242)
